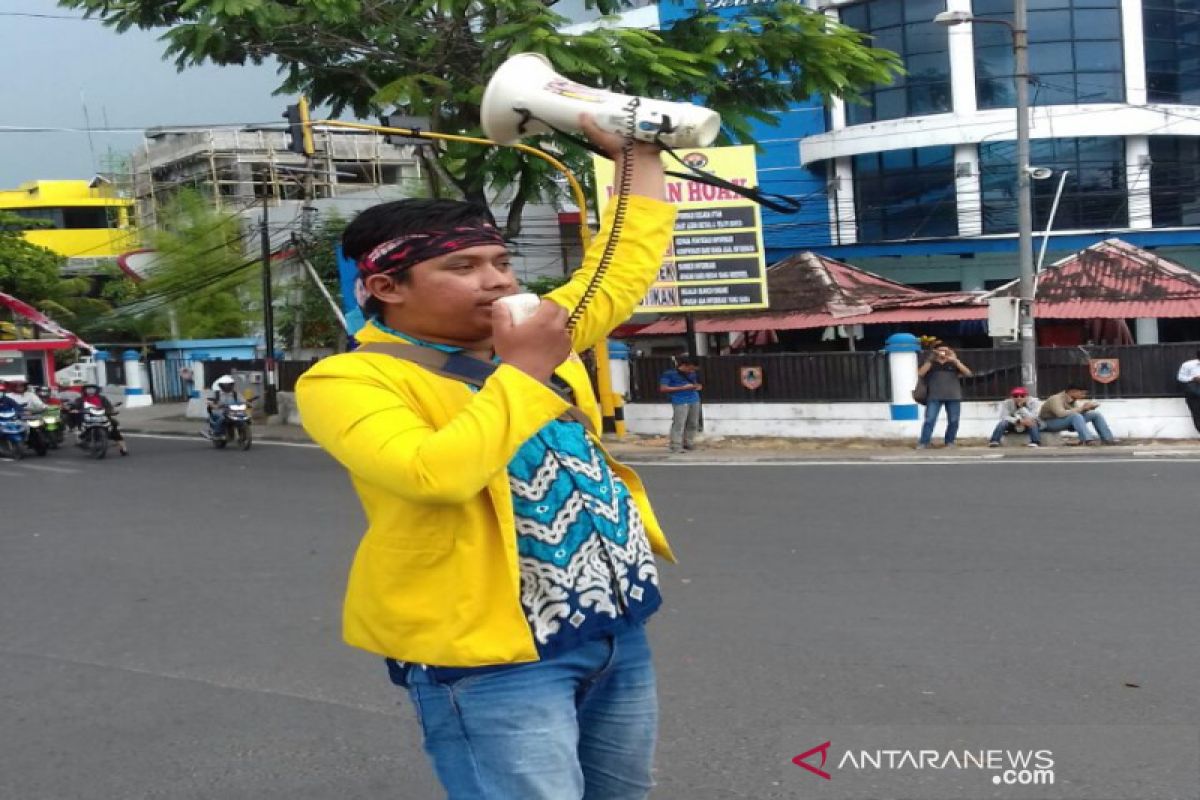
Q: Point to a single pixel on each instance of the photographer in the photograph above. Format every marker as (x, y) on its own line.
(942, 373)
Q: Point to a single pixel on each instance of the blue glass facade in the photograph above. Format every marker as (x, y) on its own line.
(779, 167)
(932, 199)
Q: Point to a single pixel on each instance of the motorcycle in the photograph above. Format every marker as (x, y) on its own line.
(13, 430)
(37, 438)
(236, 427)
(94, 431)
(53, 420)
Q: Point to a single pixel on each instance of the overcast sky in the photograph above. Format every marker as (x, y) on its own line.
(48, 63)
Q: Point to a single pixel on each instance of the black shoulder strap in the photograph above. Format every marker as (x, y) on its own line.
(459, 367)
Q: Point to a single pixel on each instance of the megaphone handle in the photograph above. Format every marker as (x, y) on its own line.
(618, 222)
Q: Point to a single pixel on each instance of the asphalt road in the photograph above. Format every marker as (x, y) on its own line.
(169, 621)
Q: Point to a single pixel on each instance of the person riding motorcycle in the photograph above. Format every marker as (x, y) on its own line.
(92, 396)
(18, 391)
(224, 395)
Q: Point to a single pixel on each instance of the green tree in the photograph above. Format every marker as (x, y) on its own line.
(33, 273)
(434, 57)
(201, 276)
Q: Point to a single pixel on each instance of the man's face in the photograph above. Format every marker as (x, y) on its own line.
(942, 354)
(1020, 399)
(1077, 394)
(687, 369)
(448, 298)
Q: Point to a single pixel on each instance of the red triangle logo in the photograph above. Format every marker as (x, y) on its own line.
(802, 760)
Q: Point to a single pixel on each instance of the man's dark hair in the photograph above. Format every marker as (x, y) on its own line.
(377, 224)
(1075, 387)
(686, 360)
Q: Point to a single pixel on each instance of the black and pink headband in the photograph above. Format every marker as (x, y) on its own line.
(401, 253)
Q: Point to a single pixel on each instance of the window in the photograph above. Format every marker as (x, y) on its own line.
(1175, 181)
(1075, 53)
(1093, 197)
(905, 27)
(905, 194)
(71, 217)
(1172, 50)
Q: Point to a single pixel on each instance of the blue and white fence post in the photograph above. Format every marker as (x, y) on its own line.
(197, 402)
(100, 360)
(136, 395)
(902, 349)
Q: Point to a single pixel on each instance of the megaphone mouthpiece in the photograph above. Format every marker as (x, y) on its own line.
(527, 97)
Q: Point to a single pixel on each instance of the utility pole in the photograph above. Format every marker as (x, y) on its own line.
(1020, 32)
(1019, 28)
(269, 382)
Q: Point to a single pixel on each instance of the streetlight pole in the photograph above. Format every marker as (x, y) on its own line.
(1019, 28)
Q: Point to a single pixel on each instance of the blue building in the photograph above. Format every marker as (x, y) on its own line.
(919, 184)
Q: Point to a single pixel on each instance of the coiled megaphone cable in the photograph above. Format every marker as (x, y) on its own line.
(624, 184)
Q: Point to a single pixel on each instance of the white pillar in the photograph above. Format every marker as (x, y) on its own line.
(1134, 45)
(967, 189)
(1146, 330)
(1137, 180)
(843, 227)
(961, 47)
(100, 371)
(135, 391)
(197, 406)
(902, 349)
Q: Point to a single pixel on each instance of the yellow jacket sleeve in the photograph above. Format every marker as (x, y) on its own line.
(380, 438)
(635, 262)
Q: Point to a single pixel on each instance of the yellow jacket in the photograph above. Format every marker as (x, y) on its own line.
(436, 578)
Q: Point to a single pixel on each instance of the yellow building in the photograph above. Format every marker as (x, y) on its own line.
(89, 223)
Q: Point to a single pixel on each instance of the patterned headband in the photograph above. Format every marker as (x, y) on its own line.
(396, 255)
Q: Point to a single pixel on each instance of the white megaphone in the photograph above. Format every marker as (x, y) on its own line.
(526, 96)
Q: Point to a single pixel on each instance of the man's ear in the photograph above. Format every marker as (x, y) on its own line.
(386, 290)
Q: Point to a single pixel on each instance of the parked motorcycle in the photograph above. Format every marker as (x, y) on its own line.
(94, 431)
(13, 430)
(236, 428)
(36, 437)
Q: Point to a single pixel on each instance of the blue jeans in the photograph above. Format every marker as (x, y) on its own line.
(1004, 426)
(932, 409)
(1078, 423)
(578, 725)
(216, 422)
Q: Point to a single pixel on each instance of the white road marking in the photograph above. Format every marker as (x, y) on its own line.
(44, 468)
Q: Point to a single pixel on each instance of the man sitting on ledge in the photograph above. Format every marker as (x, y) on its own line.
(1071, 409)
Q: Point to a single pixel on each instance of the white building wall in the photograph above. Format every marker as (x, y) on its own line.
(1149, 418)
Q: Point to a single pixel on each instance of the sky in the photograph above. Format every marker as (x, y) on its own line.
(53, 67)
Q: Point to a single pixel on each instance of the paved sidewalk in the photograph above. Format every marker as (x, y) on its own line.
(169, 420)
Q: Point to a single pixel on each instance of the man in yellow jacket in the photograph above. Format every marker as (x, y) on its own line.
(507, 570)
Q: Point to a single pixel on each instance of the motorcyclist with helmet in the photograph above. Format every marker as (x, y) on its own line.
(224, 394)
(90, 395)
(18, 391)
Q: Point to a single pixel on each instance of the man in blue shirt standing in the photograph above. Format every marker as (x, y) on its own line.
(682, 386)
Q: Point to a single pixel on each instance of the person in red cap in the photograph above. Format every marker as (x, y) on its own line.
(1018, 414)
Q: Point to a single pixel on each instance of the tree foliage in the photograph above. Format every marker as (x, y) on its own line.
(434, 57)
(34, 274)
(201, 273)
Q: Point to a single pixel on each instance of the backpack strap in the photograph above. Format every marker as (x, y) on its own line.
(462, 368)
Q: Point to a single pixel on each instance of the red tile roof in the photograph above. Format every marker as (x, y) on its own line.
(811, 291)
(1114, 279)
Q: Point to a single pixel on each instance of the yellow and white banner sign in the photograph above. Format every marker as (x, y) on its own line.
(716, 261)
